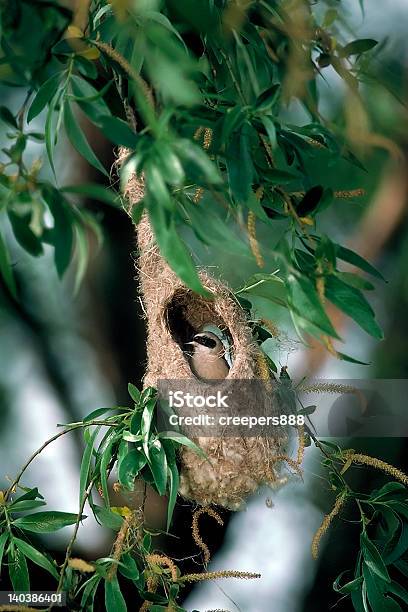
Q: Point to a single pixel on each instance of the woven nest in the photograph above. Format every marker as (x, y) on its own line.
(236, 466)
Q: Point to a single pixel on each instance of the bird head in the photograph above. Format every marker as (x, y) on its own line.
(206, 343)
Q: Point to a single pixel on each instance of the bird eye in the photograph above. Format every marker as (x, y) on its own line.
(205, 341)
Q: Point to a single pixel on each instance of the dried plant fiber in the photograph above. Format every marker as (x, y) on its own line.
(236, 466)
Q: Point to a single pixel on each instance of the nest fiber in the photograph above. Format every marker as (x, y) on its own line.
(236, 466)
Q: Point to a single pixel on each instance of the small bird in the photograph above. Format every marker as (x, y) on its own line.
(207, 358)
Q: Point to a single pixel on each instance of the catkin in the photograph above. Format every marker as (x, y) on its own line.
(163, 561)
(220, 574)
(349, 193)
(264, 370)
(253, 242)
(207, 140)
(196, 532)
(7, 608)
(378, 464)
(119, 545)
(301, 444)
(326, 524)
(81, 565)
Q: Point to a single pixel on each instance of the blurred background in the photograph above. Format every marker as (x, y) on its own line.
(61, 357)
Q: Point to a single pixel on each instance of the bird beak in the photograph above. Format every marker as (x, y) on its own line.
(189, 348)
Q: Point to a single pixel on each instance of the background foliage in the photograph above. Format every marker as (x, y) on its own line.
(222, 73)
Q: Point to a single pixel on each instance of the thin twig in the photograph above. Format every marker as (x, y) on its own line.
(47, 443)
(74, 535)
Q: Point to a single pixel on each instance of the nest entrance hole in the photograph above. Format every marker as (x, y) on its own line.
(187, 312)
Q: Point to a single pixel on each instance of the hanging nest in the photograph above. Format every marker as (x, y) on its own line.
(236, 466)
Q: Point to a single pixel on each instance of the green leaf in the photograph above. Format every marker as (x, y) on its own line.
(28, 504)
(24, 234)
(3, 542)
(147, 416)
(358, 46)
(158, 465)
(239, 165)
(372, 558)
(109, 519)
(176, 254)
(89, 99)
(267, 99)
(279, 177)
(154, 597)
(170, 68)
(352, 302)
(45, 522)
(325, 201)
(7, 116)
(376, 588)
(402, 566)
(173, 478)
(391, 491)
(148, 394)
(354, 280)
(211, 229)
(95, 192)
(114, 600)
(51, 132)
(105, 461)
(18, 572)
(157, 189)
(204, 168)
(310, 201)
(162, 20)
(128, 567)
(134, 393)
(86, 464)
(37, 136)
(344, 357)
(84, 93)
(136, 422)
(356, 260)
(180, 439)
(399, 591)
(357, 601)
(348, 587)
(268, 286)
(95, 414)
(82, 255)
(62, 233)
(130, 437)
(170, 244)
(137, 212)
(307, 410)
(5, 269)
(43, 96)
(232, 121)
(89, 591)
(169, 164)
(36, 556)
(401, 546)
(29, 494)
(130, 467)
(330, 17)
(117, 131)
(270, 130)
(304, 300)
(79, 141)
